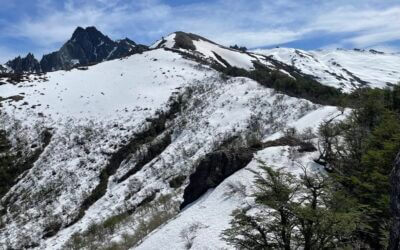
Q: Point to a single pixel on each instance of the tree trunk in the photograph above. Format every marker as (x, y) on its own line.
(307, 240)
(394, 241)
(285, 233)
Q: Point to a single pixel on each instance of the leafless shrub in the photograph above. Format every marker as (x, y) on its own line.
(188, 234)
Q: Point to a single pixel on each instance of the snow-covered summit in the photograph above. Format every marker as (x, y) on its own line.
(207, 49)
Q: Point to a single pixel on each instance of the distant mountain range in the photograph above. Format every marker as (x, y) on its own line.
(86, 46)
(340, 68)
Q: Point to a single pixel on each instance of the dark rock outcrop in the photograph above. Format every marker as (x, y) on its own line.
(212, 170)
(394, 242)
(215, 167)
(127, 47)
(88, 46)
(24, 64)
(185, 40)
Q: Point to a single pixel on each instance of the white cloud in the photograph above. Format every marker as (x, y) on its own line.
(367, 27)
(369, 38)
(56, 26)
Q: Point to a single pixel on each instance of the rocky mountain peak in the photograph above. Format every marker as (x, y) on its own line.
(90, 34)
(86, 46)
(180, 40)
(24, 64)
(127, 41)
(78, 30)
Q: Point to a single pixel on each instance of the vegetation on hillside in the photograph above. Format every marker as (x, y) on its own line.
(300, 86)
(295, 212)
(14, 160)
(347, 207)
(360, 152)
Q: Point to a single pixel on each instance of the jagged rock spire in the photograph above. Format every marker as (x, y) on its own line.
(86, 46)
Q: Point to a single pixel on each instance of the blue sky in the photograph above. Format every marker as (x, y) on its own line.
(42, 26)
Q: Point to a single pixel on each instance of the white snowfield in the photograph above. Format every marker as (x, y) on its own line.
(94, 111)
(345, 69)
(232, 57)
(140, 83)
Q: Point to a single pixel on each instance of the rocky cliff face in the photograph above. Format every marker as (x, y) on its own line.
(86, 46)
(126, 47)
(212, 170)
(24, 64)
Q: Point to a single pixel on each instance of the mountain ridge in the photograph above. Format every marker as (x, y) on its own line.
(86, 46)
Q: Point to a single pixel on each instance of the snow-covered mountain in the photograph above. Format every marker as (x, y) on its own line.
(207, 49)
(143, 152)
(88, 46)
(345, 69)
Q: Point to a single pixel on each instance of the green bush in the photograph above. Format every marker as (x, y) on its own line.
(360, 152)
(98, 236)
(305, 212)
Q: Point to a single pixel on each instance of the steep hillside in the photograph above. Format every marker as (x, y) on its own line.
(199, 226)
(125, 136)
(150, 151)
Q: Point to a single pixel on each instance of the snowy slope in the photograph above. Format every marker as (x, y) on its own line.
(216, 111)
(104, 104)
(95, 111)
(346, 69)
(107, 90)
(147, 121)
(200, 225)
